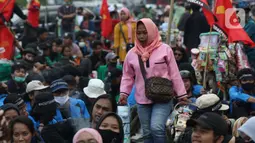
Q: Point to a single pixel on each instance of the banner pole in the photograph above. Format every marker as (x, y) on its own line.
(170, 22)
(207, 58)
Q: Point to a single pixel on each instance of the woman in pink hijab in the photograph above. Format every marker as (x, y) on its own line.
(86, 135)
(124, 34)
(159, 61)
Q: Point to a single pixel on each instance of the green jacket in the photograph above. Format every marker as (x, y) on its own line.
(50, 62)
(102, 71)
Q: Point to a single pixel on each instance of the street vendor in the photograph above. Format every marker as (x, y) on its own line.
(242, 99)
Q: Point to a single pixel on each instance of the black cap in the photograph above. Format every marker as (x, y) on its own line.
(29, 50)
(68, 36)
(211, 121)
(14, 99)
(44, 102)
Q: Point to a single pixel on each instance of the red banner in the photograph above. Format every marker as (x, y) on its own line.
(6, 43)
(106, 23)
(6, 9)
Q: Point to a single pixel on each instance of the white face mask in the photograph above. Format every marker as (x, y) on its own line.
(82, 44)
(61, 99)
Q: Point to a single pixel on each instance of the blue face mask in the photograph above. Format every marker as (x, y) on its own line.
(19, 79)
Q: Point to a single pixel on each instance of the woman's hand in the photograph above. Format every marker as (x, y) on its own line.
(123, 99)
(184, 101)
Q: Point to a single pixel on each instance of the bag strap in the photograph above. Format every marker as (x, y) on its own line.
(123, 35)
(143, 71)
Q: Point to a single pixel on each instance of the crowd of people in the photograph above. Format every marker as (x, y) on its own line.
(70, 88)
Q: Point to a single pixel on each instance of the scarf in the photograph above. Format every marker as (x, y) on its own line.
(128, 23)
(153, 41)
(93, 132)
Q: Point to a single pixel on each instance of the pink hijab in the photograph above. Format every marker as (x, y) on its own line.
(153, 41)
(93, 132)
(129, 23)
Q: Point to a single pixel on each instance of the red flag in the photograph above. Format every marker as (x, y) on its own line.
(6, 43)
(229, 23)
(210, 17)
(34, 13)
(106, 23)
(6, 9)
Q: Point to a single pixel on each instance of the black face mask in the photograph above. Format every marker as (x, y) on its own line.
(248, 86)
(110, 136)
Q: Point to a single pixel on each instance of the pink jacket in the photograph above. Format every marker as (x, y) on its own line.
(162, 63)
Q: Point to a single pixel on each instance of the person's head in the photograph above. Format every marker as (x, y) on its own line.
(187, 80)
(56, 45)
(103, 104)
(208, 128)
(68, 2)
(111, 128)
(114, 76)
(247, 130)
(246, 78)
(47, 48)
(28, 54)
(59, 89)
(238, 123)
(146, 32)
(22, 130)
(180, 54)
(68, 39)
(87, 135)
(70, 80)
(124, 14)
(66, 51)
(44, 108)
(210, 103)
(43, 34)
(143, 9)
(18, 101)
(195, 7)
(80, 11)
(34, 87)
(11, 111)
(19, 72)
(94, 89)
(111, 59)
(253, 12)
(97, 46)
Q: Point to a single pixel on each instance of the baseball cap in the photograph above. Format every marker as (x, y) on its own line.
(44, 102)
(210, 102)
(210, 121)
(95, 88)
(58, 85)
(111, 56)
(35, 85)
(68, 36)
(185, 74)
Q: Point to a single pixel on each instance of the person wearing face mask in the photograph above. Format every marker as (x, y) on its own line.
(242, 99)
(84, 43)
(111, 63)
(111, 129)
(17, 84)
(68, 106)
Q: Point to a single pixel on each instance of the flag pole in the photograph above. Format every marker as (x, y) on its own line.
(207, 58)
(170, 22)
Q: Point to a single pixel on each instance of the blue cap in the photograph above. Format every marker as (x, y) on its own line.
(58, 85)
